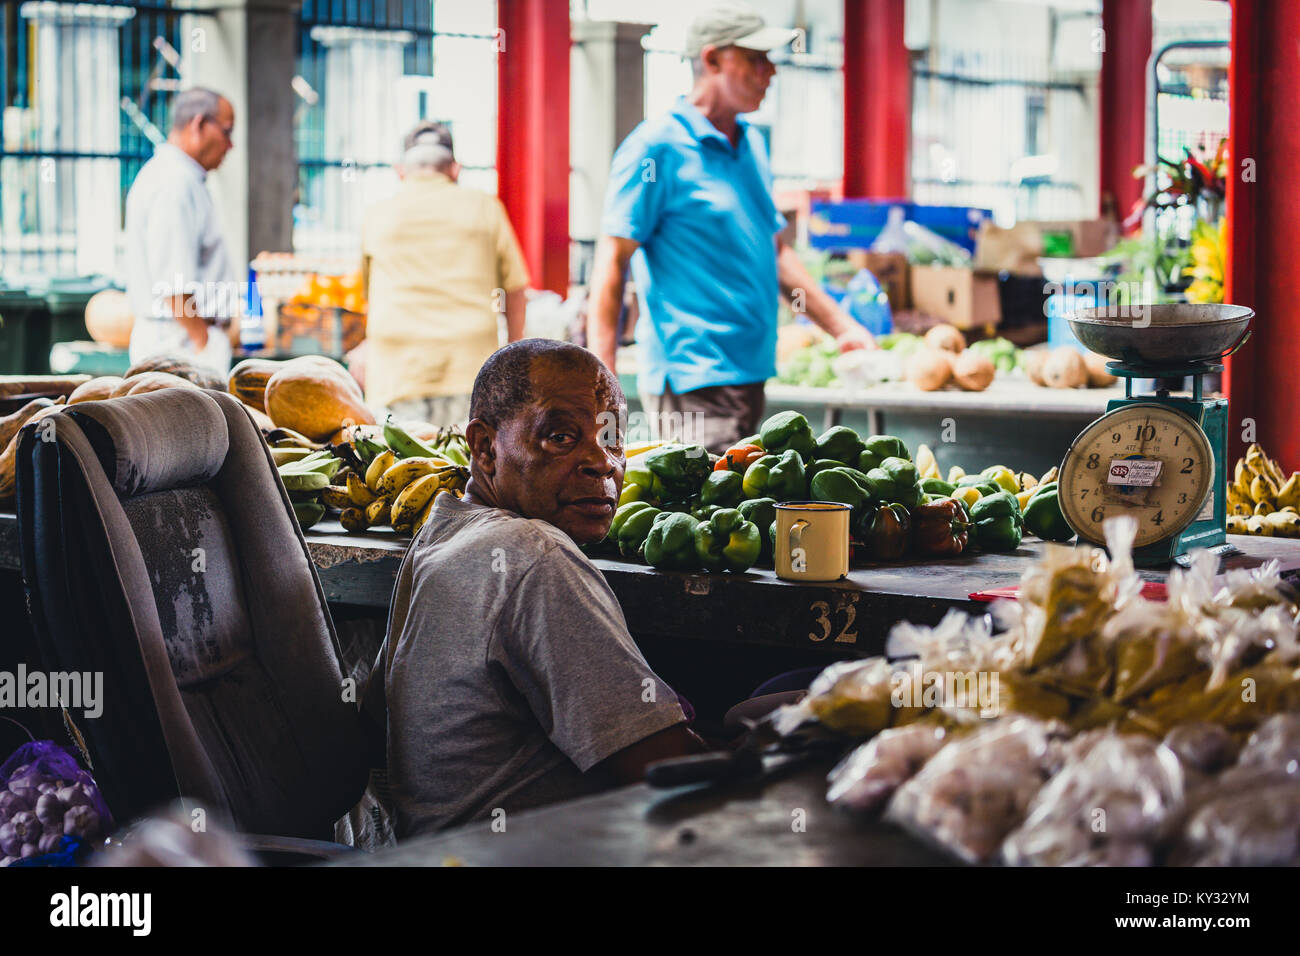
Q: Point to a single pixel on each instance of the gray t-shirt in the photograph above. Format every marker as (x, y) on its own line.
(508, 671)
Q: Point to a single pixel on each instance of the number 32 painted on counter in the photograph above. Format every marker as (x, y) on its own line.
(822, 610)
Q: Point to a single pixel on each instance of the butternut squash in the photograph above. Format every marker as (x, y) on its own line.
(315, 396)
(149, 382)
(96, 390)
(9, 458)
(173, 365)
(248, 381)
(10, 424)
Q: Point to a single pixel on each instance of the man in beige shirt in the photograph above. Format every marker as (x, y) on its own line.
(440, 264)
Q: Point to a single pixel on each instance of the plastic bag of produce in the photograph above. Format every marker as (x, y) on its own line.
(1258, 826)
(1107, 807)
(851, 697)
(864, 781)
(47, 798)
(1070, 593)
(1203, 747)
(1274, 744)
(974, 791)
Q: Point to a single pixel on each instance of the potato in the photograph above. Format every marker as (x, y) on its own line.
(946, 338)
(1034, 361)
(929, 369)
(1098, 377)
(1064, 368)
(972, 371)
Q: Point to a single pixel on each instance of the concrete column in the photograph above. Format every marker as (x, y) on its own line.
(247, 52)
(608, 90)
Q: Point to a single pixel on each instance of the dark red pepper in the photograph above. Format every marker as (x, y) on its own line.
(887, 531)
(940, 528)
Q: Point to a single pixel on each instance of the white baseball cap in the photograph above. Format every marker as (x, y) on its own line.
(730, 23)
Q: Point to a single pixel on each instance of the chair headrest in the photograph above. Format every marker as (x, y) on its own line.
(170, 438)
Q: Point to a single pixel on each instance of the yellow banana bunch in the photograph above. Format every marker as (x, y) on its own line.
(1261, 498)
(405, 471)
(382, 462)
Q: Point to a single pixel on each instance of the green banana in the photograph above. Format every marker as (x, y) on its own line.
(453, 453)
(368, 449)
(304, 481)
(308, 513)
(326, 465)
(403, 444)
(285, 456)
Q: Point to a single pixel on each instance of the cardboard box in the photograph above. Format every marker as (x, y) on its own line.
(1016, 250)
(961, 297)
(891, 270)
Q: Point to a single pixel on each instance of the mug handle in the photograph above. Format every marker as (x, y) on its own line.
(796, 533)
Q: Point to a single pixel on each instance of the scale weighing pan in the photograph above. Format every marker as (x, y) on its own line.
(1172, 335)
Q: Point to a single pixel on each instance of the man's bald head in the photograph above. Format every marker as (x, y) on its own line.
(504, 385)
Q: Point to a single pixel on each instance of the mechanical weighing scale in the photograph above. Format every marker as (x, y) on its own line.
(1160, 458)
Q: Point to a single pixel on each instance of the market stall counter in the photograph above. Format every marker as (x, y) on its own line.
(844, 618)
(782, 819)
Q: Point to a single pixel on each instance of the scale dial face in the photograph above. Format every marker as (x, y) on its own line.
(1147, 460)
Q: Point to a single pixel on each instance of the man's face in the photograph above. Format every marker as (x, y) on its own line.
(561, 457)
(743, 77)
(214, 136)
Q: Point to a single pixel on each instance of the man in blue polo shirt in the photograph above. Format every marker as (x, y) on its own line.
(690, 209)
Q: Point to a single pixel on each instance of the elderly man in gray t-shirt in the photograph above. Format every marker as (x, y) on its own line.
(508, 674)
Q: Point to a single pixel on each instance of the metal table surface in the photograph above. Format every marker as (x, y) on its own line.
(782, 820)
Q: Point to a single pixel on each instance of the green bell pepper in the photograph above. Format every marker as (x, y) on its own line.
(631, 524)
(727, 542)
(998, 522)
(776, 476)
(820, 464)
(787, 431)
(751, 440)
(995, 506)
(1001, 533)
(836, 484)
(886, 532)
(886, 446)
(840, 444)
(762, 512)
(725, 489)
(680, 469)
(670, 545)
(1043, 515)
(937, 486)
(868, 460)
(895, 482)
(986, 486)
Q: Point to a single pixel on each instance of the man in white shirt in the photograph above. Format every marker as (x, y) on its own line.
(181, 283)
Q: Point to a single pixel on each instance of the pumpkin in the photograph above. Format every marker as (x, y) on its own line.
(109, 318)
(149, 382)
(10, 424)
(315, 396)
(174, 365)
(9, 458)
(97, 389)
(248, 380)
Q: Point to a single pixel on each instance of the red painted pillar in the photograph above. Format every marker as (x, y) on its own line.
(533, 133)
(1263, 228)
(877, 101)
(1126, 29)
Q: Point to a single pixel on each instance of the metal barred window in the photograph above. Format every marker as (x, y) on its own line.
(85, 88)
(367, 72)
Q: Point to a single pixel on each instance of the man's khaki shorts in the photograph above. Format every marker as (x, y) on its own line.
(715, 417)
(440, 410)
